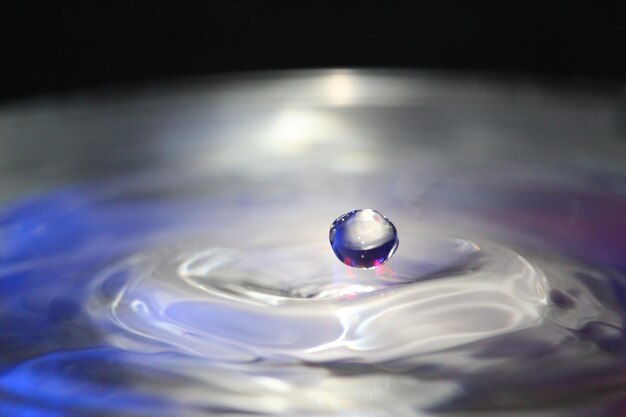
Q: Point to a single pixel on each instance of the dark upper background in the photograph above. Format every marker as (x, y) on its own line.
(63, 47)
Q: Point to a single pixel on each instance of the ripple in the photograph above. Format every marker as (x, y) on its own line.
(295, 301)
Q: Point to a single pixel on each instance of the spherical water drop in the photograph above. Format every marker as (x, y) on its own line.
(363, 238)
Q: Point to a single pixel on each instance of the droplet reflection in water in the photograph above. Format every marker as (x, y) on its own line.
(363, 238)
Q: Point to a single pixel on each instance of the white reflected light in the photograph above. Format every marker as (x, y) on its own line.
(340, 88)
(296, 131)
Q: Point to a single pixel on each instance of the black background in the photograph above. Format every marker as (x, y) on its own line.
(77, 45)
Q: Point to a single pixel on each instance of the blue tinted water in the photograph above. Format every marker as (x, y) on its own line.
(127, 303)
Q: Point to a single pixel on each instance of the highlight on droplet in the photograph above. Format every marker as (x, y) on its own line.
(363, 238)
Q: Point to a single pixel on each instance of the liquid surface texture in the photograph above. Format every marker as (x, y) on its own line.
(172, 259)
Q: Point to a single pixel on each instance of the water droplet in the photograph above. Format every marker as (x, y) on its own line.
(363, 238)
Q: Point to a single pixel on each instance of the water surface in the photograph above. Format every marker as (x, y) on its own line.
(166, 253)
